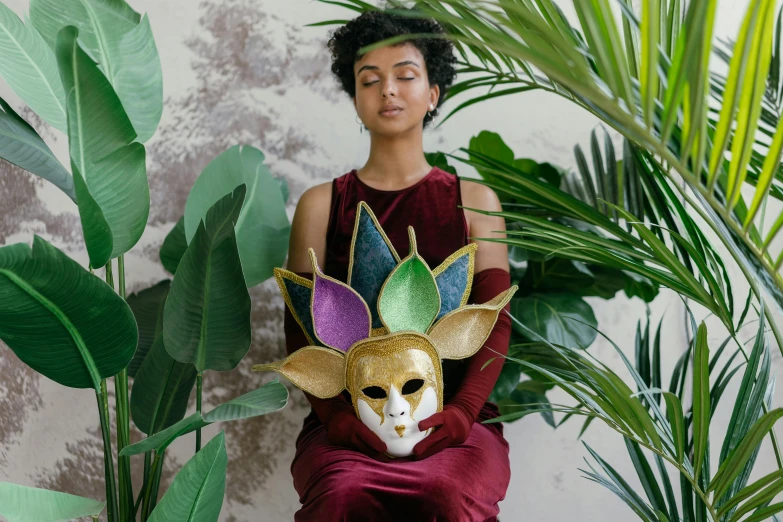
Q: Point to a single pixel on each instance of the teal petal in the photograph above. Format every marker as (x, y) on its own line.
(372, 259)
(452, 283)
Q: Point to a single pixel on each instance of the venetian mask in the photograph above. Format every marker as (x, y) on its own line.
(383, 333)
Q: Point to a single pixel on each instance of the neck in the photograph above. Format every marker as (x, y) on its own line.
(395, 161)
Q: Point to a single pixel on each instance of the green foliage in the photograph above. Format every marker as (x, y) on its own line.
(23, 504)
(267, 399)
(206, 318)
(196, 494)
(69, 308)
(262, 228)
(90, 68)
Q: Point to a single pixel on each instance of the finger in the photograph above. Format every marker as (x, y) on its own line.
(434, 448)
(423, 446)
(435, 419)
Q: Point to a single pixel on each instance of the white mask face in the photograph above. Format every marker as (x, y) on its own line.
(400, 430)
(392, 391)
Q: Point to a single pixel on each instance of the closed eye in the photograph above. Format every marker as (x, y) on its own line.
(376, 81)
(374, 392)
(412, 386)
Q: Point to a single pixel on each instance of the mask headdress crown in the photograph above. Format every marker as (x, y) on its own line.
(386, 303)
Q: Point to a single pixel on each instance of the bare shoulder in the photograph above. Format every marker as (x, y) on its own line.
(490, 254)
(309, 226)
(476, 195)
(316, 199)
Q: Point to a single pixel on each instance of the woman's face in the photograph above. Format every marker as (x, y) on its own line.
(393, 75)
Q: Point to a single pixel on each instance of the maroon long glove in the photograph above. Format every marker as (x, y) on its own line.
(343, 427)
(453, 424)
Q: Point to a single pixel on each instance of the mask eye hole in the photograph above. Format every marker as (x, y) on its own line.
(412, 386)
(374, 392)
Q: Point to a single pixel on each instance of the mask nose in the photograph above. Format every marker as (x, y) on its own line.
(396, 406)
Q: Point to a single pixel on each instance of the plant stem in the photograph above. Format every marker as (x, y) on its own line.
(122, 406)
(145, 509)
(156, 482)
(108, 461)
(198, 409)
(123, 440)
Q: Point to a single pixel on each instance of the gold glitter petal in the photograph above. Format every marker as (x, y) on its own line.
(462, 332)
(318, 371)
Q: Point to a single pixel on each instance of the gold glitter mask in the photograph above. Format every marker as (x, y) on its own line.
(384, 333)
(395, 381)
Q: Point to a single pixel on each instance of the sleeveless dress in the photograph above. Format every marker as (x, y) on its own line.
(462, 483)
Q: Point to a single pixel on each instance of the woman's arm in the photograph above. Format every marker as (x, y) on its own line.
(308, 230)
(491, 276)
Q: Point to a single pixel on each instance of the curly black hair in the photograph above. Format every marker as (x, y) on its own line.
(374, 26)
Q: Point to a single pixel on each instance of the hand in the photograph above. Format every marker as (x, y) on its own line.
(347, 430)
(453, 428)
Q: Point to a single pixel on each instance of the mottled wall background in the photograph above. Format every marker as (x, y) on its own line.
(248, 71)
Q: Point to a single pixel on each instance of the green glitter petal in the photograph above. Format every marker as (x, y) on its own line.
(409, 298)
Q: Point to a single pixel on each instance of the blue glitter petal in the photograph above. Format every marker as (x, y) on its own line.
(372, 264)
(452, 283)
(300, 298)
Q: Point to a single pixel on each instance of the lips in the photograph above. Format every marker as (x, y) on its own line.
(390, 110)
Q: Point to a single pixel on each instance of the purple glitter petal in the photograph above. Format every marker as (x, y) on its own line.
(340, 316)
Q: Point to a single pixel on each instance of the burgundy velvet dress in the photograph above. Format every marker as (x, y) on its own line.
(462, 483)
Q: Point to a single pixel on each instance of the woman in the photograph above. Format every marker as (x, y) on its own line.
(461, 470)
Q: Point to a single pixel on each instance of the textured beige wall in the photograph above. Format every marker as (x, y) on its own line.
(247, 71)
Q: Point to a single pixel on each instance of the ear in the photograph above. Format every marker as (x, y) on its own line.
(462, 332)
(318, 371)
(434, 94)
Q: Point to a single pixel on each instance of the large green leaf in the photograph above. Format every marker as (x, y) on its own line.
(269, 398)
(116, 37)
(701, 398)
(109, 169)
(22, 146)
(550, 316)
(263, 228)
(161, 390)
(30, 69)
(174, 246)
(196, 494)
(61, 320)
(147, 307)
(23, 504)
(207, 313)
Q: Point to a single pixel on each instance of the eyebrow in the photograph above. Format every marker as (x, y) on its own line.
(375, 67)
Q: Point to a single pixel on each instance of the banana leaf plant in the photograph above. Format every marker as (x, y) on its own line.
(90, 69)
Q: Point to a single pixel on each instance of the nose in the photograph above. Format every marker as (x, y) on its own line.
(388, 88)
(397, 406)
